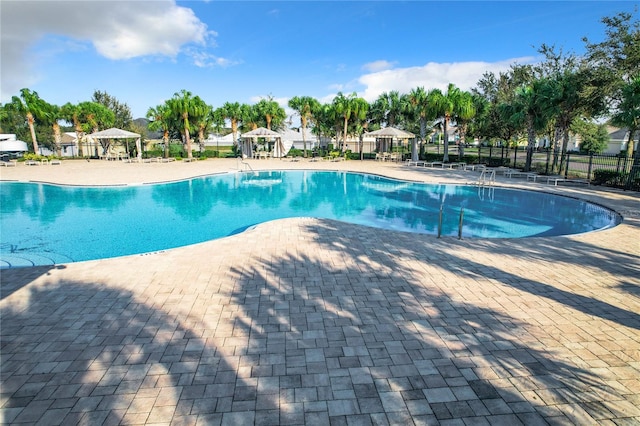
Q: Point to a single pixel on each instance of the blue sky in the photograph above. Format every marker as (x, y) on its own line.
(143, 51)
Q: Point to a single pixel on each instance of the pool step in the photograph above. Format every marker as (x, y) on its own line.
(21, 260)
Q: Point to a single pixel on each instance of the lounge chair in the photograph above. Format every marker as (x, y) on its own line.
(560, 179)
(8, 163)
(516, 173)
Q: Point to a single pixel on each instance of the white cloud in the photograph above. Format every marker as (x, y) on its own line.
(206, 60)
(376, 66)
(118, 31)
(433, 75)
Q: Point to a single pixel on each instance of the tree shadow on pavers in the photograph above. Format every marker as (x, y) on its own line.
(86, 353)
(630, 288)
(12, 280)
(554, 254)
(348, 334)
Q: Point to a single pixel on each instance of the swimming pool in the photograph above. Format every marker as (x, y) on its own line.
(46, 224)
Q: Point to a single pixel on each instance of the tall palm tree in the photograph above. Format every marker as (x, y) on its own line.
(444, 104)
(304, 106)
(29, 104)
(160, 117)
(233, 111)
(71, 113)
(182, 104)
(344, 107)
(201, 119)
(389, 107)
(464, 112)
(273, 113)
(420, 100)
(360, 110)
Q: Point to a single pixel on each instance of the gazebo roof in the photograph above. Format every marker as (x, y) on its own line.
(261, 132)
(114, 133)
(391, 132)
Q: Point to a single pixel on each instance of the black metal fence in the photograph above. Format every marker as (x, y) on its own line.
(600, 169)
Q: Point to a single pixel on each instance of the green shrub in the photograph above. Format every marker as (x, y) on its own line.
(151, 153)
(608, 177)
(33, 157)
(210, 153)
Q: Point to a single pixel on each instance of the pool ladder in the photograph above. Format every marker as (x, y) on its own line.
(460, 222)
(487, 177)
(246, 166)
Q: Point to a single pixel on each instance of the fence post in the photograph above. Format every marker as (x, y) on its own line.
(546, 169)
(590, 165)
(566, 166)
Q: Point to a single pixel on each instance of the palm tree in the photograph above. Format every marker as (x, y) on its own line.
(160, 117)
(344, 107)
(421, 102)
(71, 113)
(201, 119)
(273, 113)
(444, 104)
(465, 111)
(234, 112)
(31, 106)
(304, 106)
(182, 104)
(388, 108)
(360, 109)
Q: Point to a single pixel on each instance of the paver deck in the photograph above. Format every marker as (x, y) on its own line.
(307, 321)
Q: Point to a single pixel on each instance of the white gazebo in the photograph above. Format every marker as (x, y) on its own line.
(385, 137)
(262, 132)
(115, 133)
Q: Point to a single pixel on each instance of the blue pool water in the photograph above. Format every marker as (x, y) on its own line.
(45, 224)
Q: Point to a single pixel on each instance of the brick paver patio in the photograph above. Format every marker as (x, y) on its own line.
(307, 321)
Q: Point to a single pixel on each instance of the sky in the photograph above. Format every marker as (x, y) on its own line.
(144, 51)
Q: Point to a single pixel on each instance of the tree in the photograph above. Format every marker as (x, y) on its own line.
(344, 106)
(273, 113)
(234, 112)
(304, 106)
(51, 114)
(121, 112)
(88, 117)
(161, 120)
(360, 108)
(182, 105)
(628, 111)
(595, 137)
(31, 106)
(418, 100)
(465, 110)
(446, 105)
(388, 108)
(201, 119)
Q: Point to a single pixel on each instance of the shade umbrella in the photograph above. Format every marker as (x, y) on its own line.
(115, 133)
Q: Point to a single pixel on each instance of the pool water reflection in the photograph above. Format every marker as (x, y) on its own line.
(44, 224)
